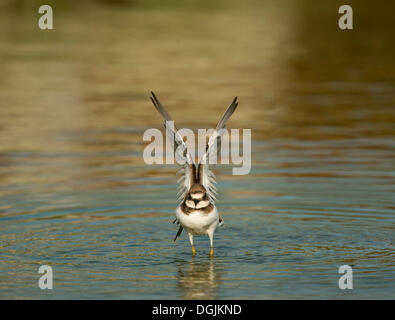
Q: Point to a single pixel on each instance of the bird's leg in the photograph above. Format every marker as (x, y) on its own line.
(211, 243)
(191, 241)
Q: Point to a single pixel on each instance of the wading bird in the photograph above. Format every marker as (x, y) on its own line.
(197, 213)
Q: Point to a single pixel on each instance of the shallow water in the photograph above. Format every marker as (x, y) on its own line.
(75, 193)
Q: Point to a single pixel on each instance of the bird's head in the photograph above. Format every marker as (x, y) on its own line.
(197, 197)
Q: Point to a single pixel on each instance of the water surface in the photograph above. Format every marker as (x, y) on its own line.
(76, 194)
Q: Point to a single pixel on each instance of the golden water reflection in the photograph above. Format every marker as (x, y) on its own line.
(74, 104)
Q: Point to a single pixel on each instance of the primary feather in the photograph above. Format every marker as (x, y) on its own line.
(206, 176)
(188, 176)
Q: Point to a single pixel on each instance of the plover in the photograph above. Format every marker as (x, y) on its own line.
(197, 213)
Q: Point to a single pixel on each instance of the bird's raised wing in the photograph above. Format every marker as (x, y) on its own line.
(205, 176)
(179, 147)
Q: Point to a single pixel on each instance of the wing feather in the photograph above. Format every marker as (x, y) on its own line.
(178, 233)
(188, 176)
(205, 176)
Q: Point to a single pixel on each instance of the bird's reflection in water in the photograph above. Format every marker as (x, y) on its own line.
(198, 279)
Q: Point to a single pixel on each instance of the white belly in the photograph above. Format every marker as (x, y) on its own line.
(197, 222)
